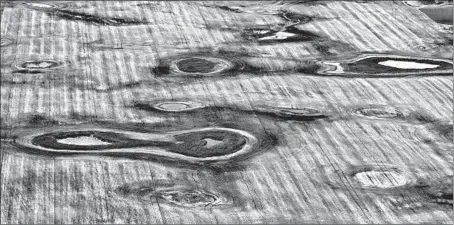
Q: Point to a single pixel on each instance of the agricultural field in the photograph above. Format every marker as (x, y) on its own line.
(206, 112)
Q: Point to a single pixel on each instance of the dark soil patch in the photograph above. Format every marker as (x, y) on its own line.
(5, 41)
(292, 16)
(227, 8)
(441, 14)
(196, 65)
(95, 19)
(28, 71)
(194, 144)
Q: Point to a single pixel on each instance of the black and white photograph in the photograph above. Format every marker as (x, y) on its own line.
(226, 112)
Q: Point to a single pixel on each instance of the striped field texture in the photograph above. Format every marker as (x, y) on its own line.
(301, 179)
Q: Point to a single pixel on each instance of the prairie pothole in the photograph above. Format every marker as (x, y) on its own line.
(377, 178)
(174, 106)
(257, 33)
(45, 64)
(427, 3)
(381, 112)
(79, 140)
(395, 64)
(200, 145)
(36, 66)
(63, 13)
(216, 63)
(305, 111)
(288, 113)
(388, 66)
(189, 198)
(200, 65)
(82, 140)
(41, 5)
(196, 65)
(176, 193)
(287, 34)
(277, 36)
(380, 179)
(408, 64)
(177, 106)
